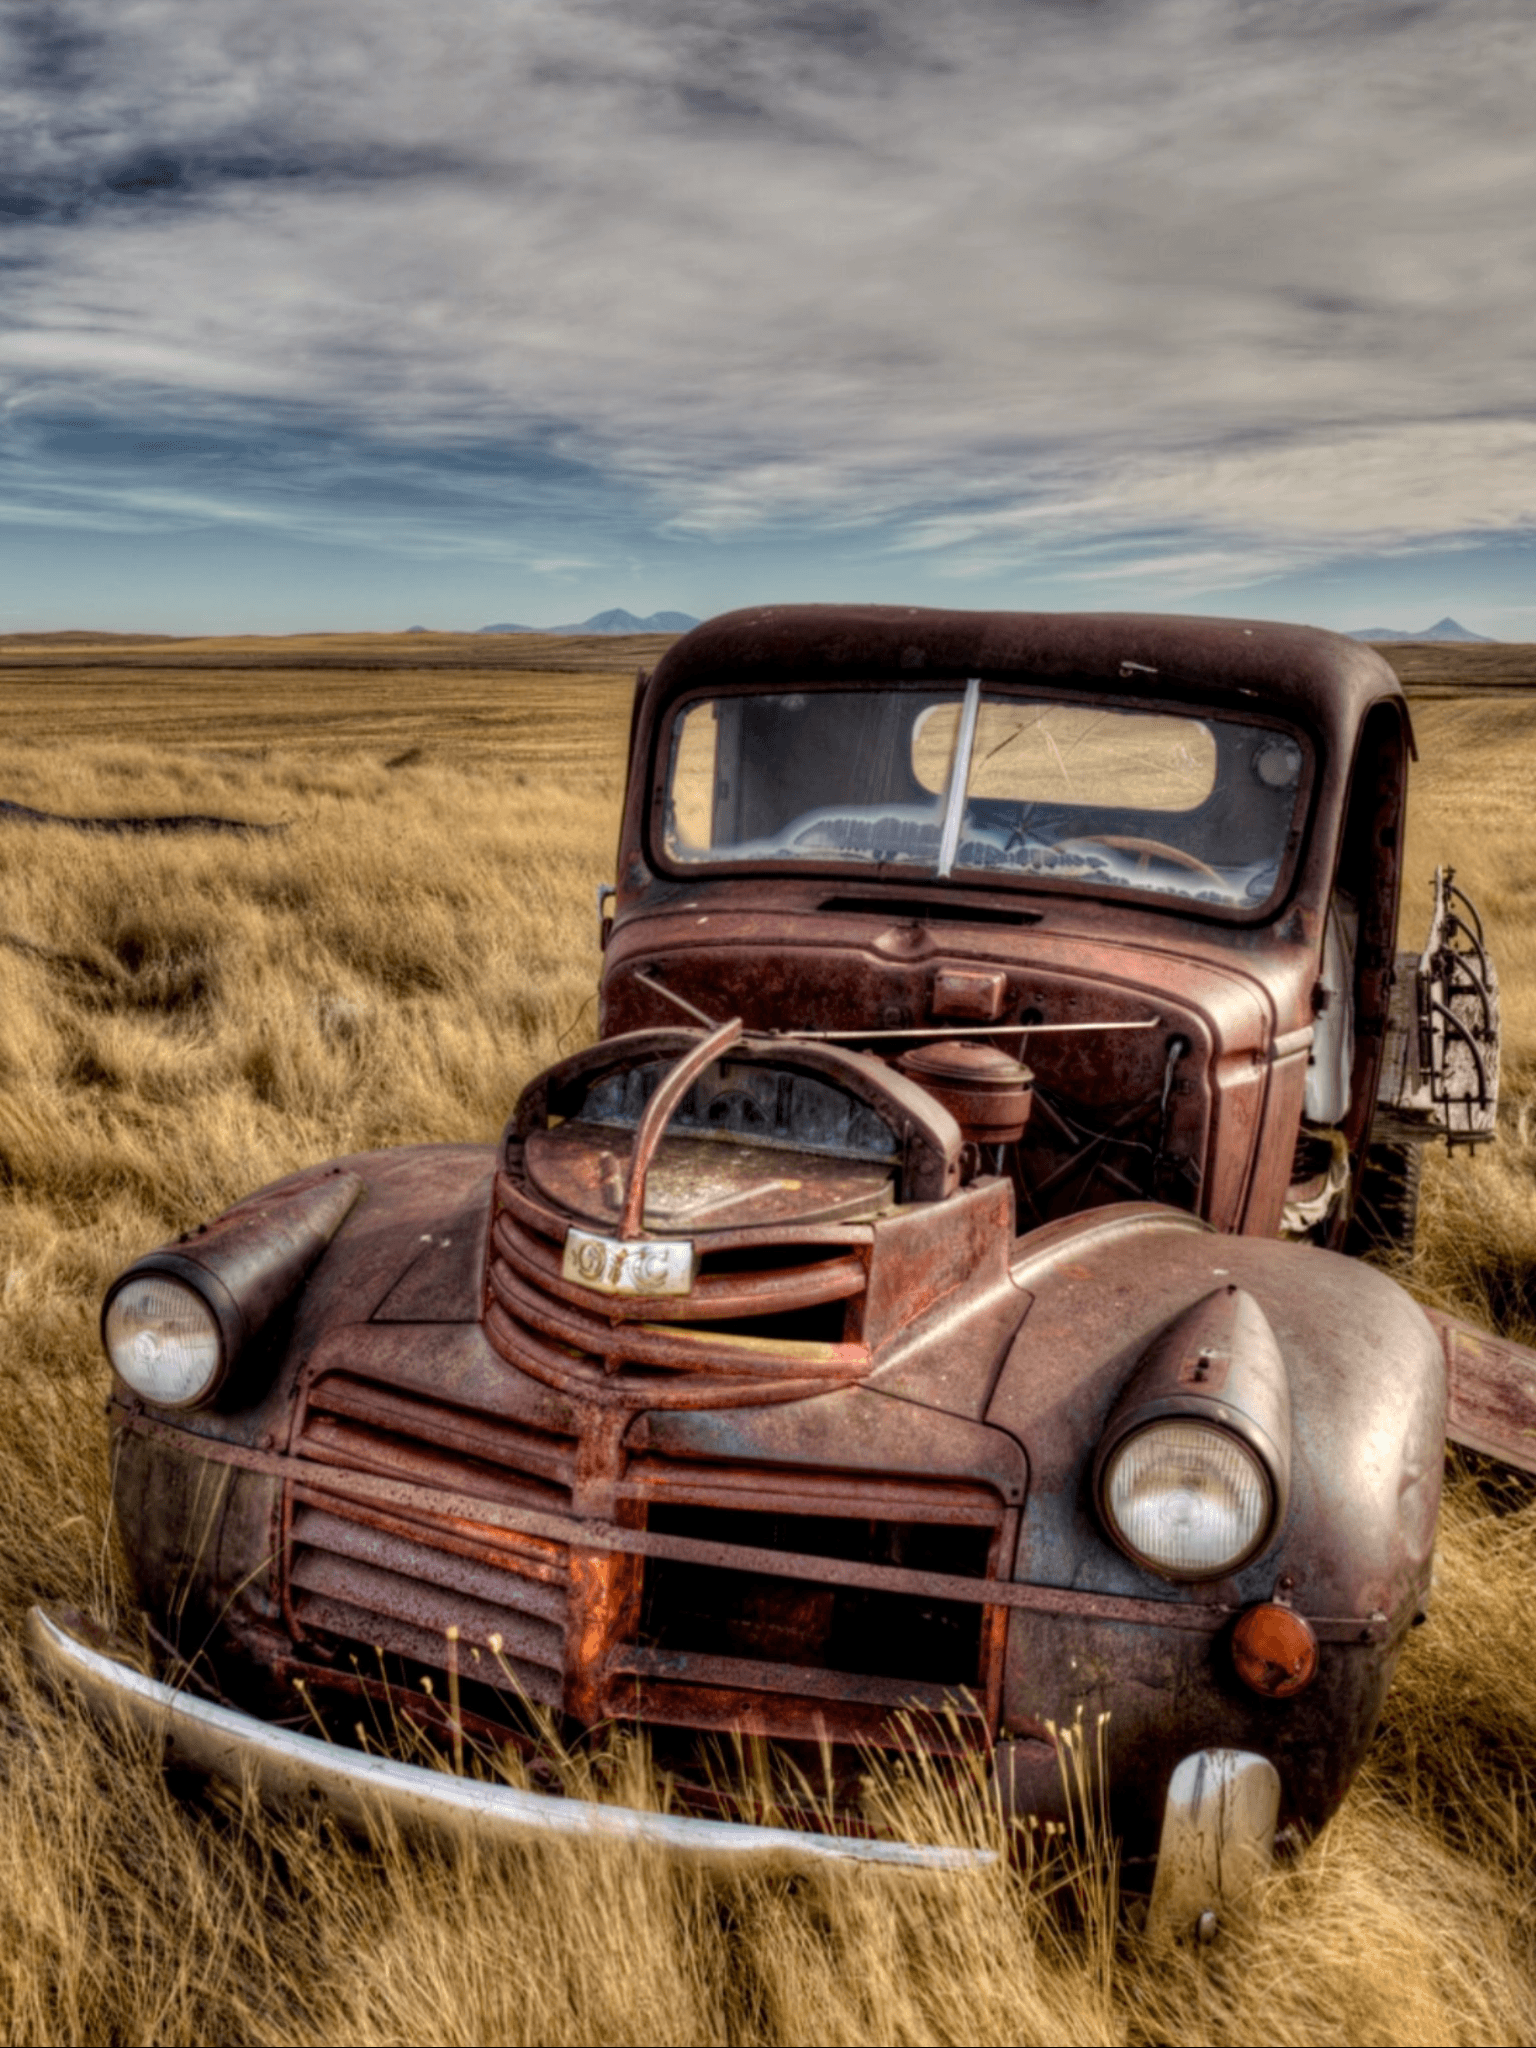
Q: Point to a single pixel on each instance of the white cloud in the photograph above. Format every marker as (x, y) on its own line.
(1000, 274)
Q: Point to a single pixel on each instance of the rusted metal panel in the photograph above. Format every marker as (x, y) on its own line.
(325, 1583)
(459, 1430)
(346, 1448)
(1274, 1154)
(744, 1674)
(1149, 1695)
(409, 1192)
(604, 1615)
(969, 993)
(797, 1490)
(1238, 1086)
(447, 1561)
(418, 1515)
(346, 1621)
(454, 1364)
(1491, 1392)
(925, 1253)
(693, 1184)
(786, 1717)
(855, 1431)
(445, 1282)
(203, 1535)
(943, 1304)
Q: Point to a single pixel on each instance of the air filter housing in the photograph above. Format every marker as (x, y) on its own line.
(985, 1090)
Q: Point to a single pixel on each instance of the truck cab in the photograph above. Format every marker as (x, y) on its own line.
(1156, 860)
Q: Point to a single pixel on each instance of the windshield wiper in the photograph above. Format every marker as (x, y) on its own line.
(959, 776)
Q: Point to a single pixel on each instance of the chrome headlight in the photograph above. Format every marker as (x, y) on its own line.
(1187, 1498)
(164, 1340)
(186, 1320)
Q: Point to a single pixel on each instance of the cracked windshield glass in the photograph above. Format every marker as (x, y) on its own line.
(971, 778)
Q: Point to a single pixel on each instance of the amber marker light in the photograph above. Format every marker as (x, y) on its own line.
(1275, 1651)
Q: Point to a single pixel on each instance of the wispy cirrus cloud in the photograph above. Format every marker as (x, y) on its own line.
(1204, 281)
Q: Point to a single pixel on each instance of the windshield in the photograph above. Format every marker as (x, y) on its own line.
(969, 776)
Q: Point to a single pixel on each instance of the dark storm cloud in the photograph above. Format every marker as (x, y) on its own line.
(1209, 282)
(51, 47)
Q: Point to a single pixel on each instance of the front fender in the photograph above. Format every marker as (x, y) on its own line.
(1352, 1553)
(202, 1538)
(1368, 1407)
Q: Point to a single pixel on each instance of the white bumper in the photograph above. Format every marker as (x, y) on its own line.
(288, 1767)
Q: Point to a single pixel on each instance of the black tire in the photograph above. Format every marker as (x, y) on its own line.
(1386, 1216)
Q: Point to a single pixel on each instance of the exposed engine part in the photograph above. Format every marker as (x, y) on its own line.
(986, 1091)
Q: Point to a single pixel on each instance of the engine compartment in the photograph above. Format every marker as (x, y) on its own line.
(1150, 1071)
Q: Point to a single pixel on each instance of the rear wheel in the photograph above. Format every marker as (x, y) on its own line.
(1386, 1212)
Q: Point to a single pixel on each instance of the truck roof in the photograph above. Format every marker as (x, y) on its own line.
(1322, 677)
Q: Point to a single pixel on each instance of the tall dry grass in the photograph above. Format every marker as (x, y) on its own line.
(182, 1019)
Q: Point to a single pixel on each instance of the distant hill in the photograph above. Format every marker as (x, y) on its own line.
(615, 621)
(1442, 629)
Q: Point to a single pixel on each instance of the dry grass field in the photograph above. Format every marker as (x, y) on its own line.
(184, 1018)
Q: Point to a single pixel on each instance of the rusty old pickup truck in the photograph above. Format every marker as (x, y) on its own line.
(927, 1315)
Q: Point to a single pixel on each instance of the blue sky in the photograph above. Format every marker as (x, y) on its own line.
(317, 315)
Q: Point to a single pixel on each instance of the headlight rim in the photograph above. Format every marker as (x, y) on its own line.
(214, 1296)
(1225, 1421)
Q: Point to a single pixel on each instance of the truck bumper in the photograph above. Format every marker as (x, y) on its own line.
(293, 1769)
(1217, 1835)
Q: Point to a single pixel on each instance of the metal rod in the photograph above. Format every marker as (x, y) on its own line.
(964, 1030)
(915, 1031)
(682, 1002)
(658, 1114)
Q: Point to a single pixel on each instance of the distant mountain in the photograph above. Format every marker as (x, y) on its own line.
(615, 621)
(670, 622)
(1442, 629)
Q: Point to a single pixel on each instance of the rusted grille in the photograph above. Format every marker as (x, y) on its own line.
(396, 1579)
(703, 1641)
(726, 1645)
(764, 1321)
